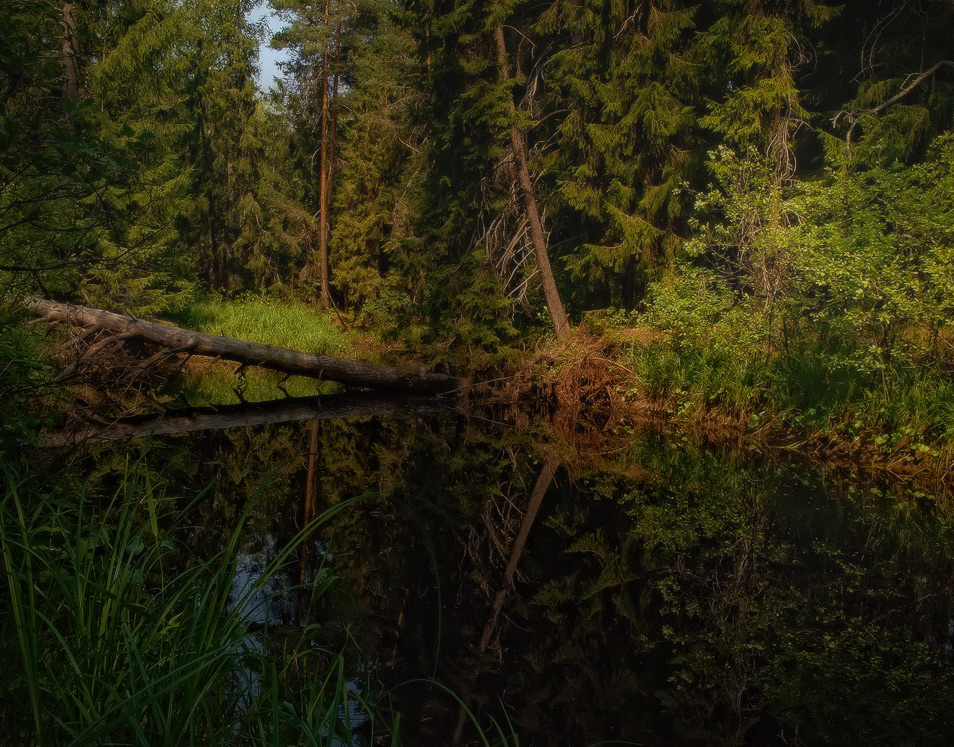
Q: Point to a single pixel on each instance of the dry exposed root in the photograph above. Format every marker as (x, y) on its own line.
(107, 374)
(576, 387)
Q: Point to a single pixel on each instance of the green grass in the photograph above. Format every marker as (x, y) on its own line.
(697, 377)
(113, 632)
(815, 389)
(285, 324)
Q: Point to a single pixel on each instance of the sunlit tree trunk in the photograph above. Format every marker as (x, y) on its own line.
(323, 186)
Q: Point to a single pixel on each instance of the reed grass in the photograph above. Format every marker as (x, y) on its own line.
(123, 636)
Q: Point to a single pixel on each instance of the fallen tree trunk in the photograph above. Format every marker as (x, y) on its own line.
(324, 407)
(293, 362)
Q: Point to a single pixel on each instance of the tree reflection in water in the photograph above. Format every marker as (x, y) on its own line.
(669, 595)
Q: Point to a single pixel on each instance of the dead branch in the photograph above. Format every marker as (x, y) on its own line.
(855, 116)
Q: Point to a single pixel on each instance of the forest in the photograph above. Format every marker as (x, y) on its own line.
(728, 223)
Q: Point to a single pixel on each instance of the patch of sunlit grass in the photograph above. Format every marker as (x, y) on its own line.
(285, 324)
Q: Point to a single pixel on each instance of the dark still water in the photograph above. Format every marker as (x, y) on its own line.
(652, 593)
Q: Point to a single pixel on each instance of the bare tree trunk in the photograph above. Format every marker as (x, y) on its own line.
(292, 362)
(68, 51)
(333, 123)
(323, 179)
(519, 146)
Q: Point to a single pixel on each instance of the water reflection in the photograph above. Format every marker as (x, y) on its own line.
(274, 603)
(666, 595)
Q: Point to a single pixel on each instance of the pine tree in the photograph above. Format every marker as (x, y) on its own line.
(280, 226)
(320, 38)
(137, 81)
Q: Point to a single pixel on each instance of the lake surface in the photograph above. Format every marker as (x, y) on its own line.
(648, 592)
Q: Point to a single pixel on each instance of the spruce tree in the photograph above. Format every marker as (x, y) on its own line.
(624, 94)
(484, 213)
(379, 170)
(223, 145)
(87, 189)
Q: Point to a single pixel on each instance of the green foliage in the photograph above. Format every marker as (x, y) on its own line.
(380, 168)
(89, 201)
(22, 374)
(123, 636)
(627, 94)
(872, 252)
(829, 297)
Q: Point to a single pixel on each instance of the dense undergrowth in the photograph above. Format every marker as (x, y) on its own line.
(813, 313)
(804, 399)
(612, 378)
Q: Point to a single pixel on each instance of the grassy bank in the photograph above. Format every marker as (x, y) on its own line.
(263, 320)
(809, 400)
(268, 321)
(811, 391)
(898, 418)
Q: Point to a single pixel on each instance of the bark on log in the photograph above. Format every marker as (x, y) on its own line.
(343, 370)
(325, 407)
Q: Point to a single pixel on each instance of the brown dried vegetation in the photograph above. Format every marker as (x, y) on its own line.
(578, 389)
(587, 404)
(111, 375)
